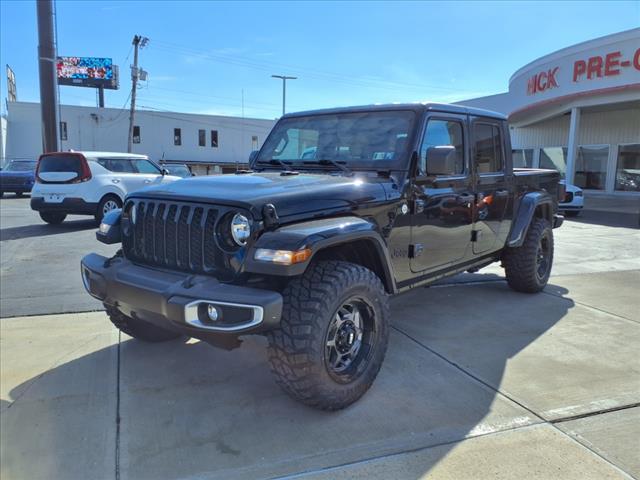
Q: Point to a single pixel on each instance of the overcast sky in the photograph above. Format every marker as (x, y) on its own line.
(202, 55)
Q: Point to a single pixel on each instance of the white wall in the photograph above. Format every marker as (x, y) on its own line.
(3, 140)
(106, 129)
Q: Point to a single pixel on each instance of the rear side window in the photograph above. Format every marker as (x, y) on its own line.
(60, 163)
(488, 143)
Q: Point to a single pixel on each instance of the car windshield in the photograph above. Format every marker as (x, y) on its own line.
(21, 166)
(377, 139)
(178, 170)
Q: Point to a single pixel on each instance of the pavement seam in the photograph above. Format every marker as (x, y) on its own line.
(593, 414)
(117, 446)
(586, 305)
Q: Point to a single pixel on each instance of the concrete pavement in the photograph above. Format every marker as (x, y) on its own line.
(479, 382)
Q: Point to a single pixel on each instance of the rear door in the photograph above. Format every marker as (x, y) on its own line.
(491, 183)
(443, 203)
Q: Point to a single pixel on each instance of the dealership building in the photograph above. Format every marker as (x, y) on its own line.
(577, 110)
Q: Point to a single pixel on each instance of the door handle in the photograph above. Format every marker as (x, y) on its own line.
(115, 180)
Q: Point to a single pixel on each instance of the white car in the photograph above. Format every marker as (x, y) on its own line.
(573, 200)
(90, 183)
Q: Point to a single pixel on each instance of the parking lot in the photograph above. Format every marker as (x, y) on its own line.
(479, 381)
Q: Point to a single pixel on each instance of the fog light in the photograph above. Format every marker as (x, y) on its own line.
(104, 228)
(212, 312)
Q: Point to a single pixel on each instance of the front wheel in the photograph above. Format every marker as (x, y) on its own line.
(53, 218)
(333, 335)
(528, 267)
(108, 203)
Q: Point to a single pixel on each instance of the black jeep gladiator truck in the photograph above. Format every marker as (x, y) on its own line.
(340, 209)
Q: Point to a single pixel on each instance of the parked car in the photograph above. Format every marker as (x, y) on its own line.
(178, 170)
(90, 183)
(18, 177)
(573, 200)
(308, 251)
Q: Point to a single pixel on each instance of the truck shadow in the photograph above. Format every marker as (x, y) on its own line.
(189, 410)
(43, 230)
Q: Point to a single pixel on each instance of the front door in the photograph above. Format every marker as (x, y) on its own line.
(442, 205)
(492, 186)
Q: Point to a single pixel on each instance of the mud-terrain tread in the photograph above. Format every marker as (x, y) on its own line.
(520, 262)
(296, 349)
(137, 328)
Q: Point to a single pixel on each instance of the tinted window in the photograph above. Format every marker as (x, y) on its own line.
(60, 163)
(178, 170)
(488, 157)
(21, 166)
(201, 138)
(441, 133)
(214, 138)
(628, 168)
(145, 166)
(117, 165)
(177, 136)
(136, 134)
(352, 138)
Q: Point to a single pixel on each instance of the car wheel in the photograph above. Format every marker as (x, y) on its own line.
(53, 218)
(571, 213)
(139, 329)
(19, 194)
(333, 335)
(107, 204)
(528, 267)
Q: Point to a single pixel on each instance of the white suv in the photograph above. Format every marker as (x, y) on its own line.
(90, 183)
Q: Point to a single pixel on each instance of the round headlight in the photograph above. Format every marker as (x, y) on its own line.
(240, 229)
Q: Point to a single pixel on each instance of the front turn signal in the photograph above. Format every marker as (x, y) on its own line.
(282, 257)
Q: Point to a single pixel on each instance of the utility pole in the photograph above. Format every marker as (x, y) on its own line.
(284, 87)
(48, 78)
(138, 41)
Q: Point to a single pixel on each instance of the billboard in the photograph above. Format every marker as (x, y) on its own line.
(12, 94)
(92, 72)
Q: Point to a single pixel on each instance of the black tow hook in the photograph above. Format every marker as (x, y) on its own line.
(107, 263)
(189, 281)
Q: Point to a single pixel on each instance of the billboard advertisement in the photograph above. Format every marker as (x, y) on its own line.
(92, 72)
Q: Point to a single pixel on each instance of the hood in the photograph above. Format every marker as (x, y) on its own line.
(290, 194)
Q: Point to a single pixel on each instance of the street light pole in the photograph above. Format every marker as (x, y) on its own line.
(284, 87)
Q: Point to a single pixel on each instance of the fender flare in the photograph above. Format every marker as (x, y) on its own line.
(318, 235)
(525, 213)
(112, 190)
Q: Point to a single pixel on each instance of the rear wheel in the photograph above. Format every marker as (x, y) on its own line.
(139, 329)
(528, 267)
(53, 218)
(107, 204)
(333, 335)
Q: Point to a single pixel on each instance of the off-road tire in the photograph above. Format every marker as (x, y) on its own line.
(100, 211)
(520, 263)
(53, 218)
(297, 350)
(139, 329)
(571, 213)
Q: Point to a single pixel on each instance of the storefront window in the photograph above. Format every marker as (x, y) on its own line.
(591, 167)
(523, 158)
(554, 158)
(628, 168)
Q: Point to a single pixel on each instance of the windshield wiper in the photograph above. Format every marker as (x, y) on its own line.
(275, 161)
(328, 161)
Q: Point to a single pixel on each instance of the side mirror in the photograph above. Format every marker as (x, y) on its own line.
(442, 160)
(165, 172)
(252, 156)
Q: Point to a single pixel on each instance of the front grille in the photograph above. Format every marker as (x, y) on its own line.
(176, 235)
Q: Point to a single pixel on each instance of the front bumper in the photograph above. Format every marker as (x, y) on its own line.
(179, 301)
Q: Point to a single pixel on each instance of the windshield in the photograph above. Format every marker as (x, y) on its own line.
(24, 166)
(178, 170)
(365, 139)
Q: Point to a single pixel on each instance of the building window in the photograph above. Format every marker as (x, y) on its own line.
(488, 157)
(522, 158)
(591, 167)
(177, 136)
(554, 158)
(201, 138)
(628, 168)
(136, 134)
(214, 138)
(254, 142)
(63, 130)
(442, 133)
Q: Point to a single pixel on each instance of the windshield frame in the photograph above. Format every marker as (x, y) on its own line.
(401, 163)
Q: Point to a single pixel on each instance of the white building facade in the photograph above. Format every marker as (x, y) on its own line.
(207, 143)
(578, 110)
